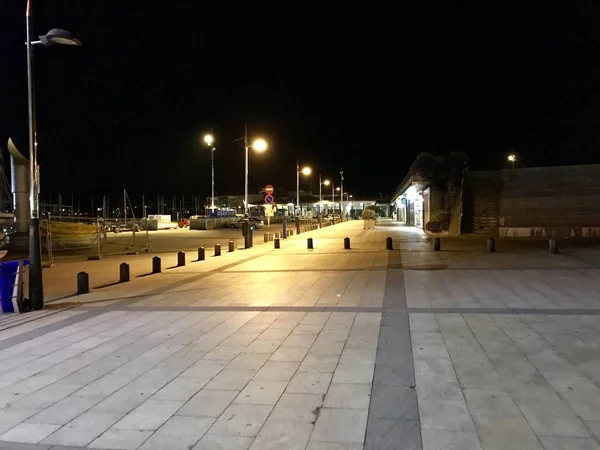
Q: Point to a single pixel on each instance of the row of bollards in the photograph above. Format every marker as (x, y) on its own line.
(491, 245)
(83, 278)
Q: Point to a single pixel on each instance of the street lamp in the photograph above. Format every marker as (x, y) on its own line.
(305, 171)
(58, 37)
(321, 183)
(258, 145)
(341, 195)
(208, 140)
(512, 158)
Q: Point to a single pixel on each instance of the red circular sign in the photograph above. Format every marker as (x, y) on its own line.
(269, 189)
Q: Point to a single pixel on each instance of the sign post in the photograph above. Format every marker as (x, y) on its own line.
(269, 199)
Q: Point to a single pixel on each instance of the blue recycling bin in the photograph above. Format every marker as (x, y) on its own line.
(8, 279)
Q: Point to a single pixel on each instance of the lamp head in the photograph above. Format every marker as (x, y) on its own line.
(326, 182)
(306, 170)
(260, 145)
(209, 139)
(60, 37)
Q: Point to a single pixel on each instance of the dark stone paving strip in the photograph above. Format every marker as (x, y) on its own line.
(393, 422)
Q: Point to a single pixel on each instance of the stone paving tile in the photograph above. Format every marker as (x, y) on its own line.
(230, 380)
(66, 410)
(179, 433)
(261, 392)
(208, 403)
(309, 383)
(241, 420)
(283, 435)
(340, 425)
(278, 371)
(117, 439)
(30, 433)
(214, 442)
(150, 415)
(83, 430)
(348, 396)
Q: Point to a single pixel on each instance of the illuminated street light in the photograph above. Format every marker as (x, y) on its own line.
(258, 145)
(512, 158)
(209, 139)
(305, 171)
(59, 37)
(321, 183)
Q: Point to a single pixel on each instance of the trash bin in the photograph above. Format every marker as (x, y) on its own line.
(10, 280)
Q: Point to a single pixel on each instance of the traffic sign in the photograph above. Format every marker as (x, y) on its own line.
(269, 189)
(269, 199)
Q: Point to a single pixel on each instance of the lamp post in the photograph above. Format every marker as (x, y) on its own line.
(209, 139)
(305, 171)
(341, 195)
(326, 183)
(259, 145)
(60, 37)
(512, 158)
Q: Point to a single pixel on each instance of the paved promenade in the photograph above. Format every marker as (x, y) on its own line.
(324, 349)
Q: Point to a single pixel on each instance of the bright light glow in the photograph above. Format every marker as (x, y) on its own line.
(351, 196)
(209, 139)
(326, 182)
(306, 170)
(512, 157)
(337, 189)
(412, 193)
(260, 145)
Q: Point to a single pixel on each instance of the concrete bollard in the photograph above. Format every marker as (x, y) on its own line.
(309, 243)
(266, 237)
(347, 243)
(270, 237)
(491, 245)
(201, 254)
(231, 246)
(437, 244)
(389, 244)
(276, 243)
(124, 273)
(180, 259)
(83, 283)
(217, 249)
(553, 246)
(156, 265)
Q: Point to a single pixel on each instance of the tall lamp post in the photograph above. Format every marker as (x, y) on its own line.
(305, 171)
(258, 145)
(341, 195)
(326, 183)
(54, 36)
(209, 139)
(512, 158)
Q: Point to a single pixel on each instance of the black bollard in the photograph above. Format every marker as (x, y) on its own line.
(201, 254)
(156, 264)
(83, 283)
(217, 249)
(270, 236)
(277, 235)
(266, 237)
(231, 246)
(347, 243)
(180, 259)
(553, 246)
(309, 243)
(284, 233)
(276, 243)
(124, 273)
(389, 244)
(437, 244)
(491, 245)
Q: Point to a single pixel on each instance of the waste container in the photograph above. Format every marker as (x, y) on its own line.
(11, 281)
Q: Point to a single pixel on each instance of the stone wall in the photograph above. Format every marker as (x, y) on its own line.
(541, 201)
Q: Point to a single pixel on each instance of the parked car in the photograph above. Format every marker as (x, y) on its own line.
(254, 223)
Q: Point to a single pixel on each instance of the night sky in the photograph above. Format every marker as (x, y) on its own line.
(363, 85)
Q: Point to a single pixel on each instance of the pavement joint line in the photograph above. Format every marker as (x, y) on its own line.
(362, 309)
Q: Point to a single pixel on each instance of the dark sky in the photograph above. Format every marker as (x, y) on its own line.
(366, 85)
